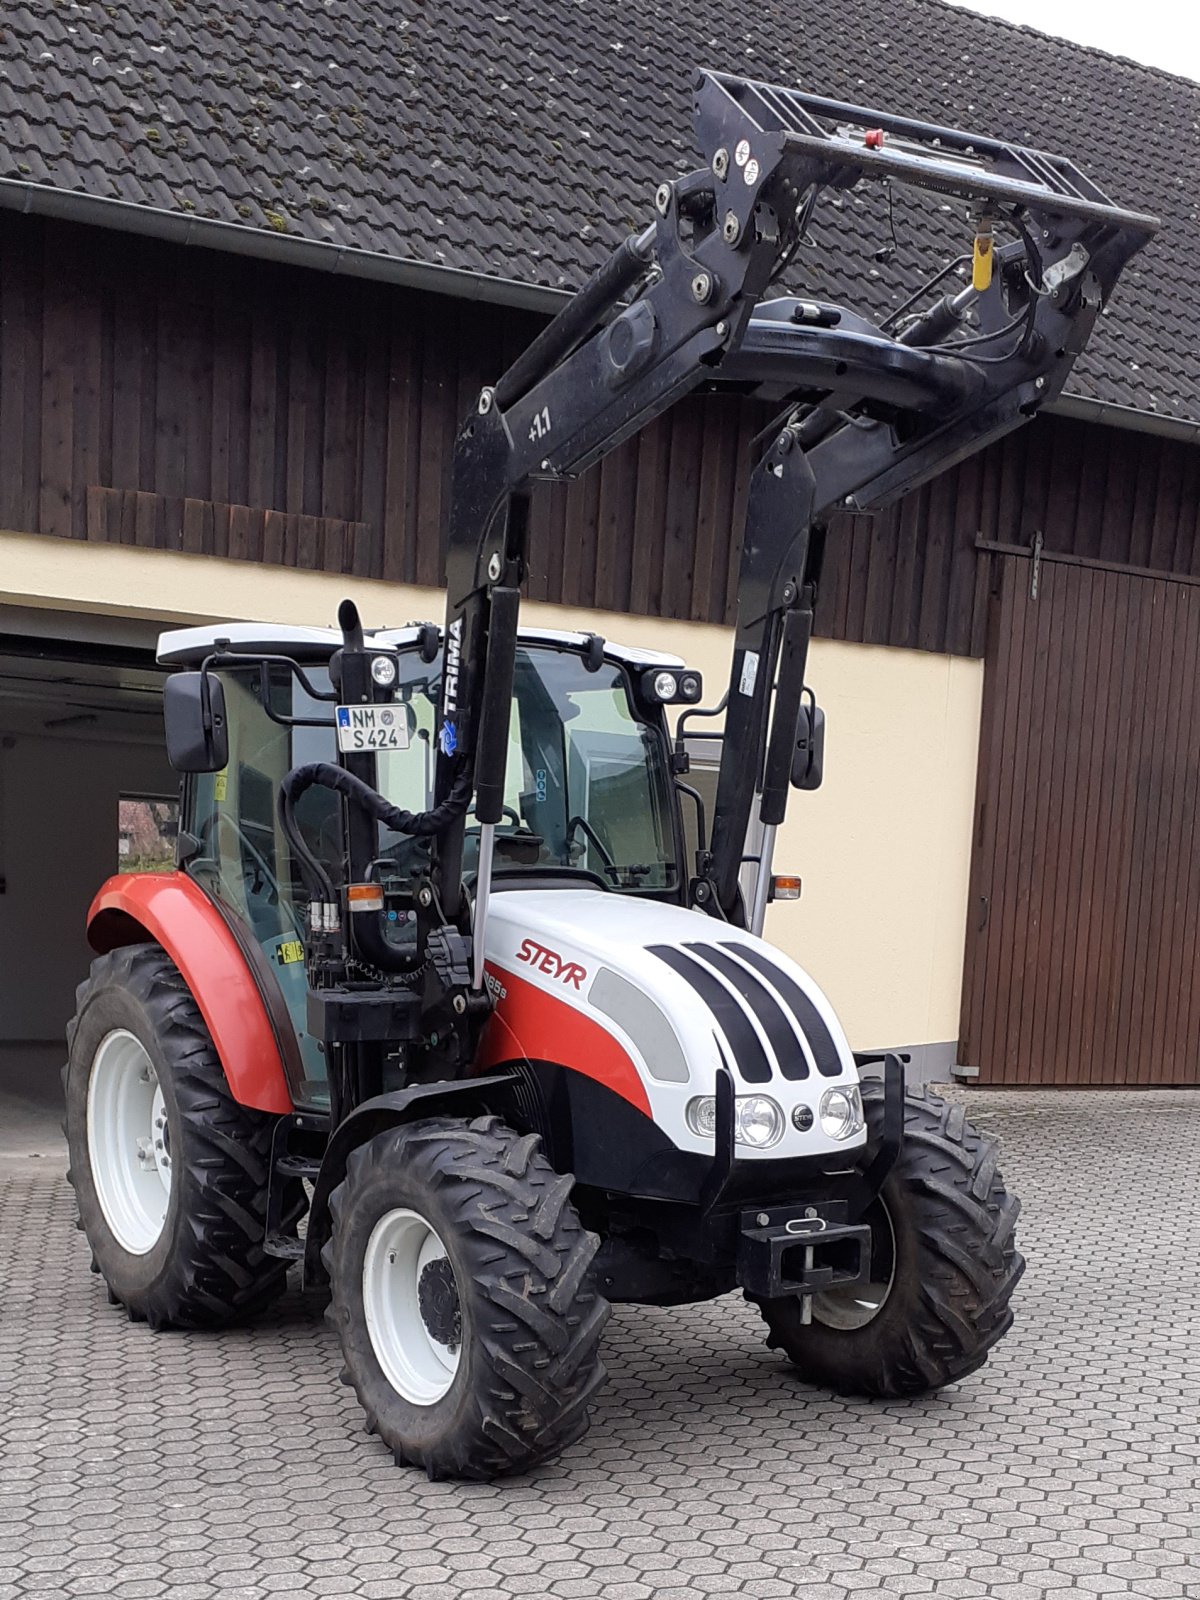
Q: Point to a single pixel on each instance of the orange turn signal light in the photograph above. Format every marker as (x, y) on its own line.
(364, 897)
(785, 887)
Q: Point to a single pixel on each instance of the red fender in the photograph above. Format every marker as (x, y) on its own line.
(530, 1023)
(170, 909)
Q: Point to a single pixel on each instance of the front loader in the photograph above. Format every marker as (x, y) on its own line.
(436, 966)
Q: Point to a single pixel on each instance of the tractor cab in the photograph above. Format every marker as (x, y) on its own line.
(589, 796)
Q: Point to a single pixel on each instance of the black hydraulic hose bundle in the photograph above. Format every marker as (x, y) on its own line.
(324, 774)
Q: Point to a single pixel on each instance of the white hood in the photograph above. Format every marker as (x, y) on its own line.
(679, 993)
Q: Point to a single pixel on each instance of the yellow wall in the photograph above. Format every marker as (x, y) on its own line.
(882, 847)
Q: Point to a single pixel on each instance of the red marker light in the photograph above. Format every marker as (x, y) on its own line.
(873, 138)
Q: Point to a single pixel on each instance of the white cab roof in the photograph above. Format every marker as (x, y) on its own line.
(189, 646)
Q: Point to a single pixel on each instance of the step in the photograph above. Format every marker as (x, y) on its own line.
(298, 1167)
(287, 1249)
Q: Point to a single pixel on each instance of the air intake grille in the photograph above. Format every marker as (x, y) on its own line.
(812, 1024)
(748, 1053)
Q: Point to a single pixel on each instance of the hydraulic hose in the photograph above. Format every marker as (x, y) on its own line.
(323, 774)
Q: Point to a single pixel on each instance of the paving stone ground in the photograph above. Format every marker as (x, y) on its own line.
(233, 1467)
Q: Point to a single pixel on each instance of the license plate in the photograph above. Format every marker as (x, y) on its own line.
(372, 728)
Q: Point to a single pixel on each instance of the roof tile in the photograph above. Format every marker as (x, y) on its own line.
(525, 143)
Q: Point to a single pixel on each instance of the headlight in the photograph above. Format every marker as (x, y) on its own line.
(665, 685)
(383, 670)
(841, 1113)
(701, 1116)
(757, 1120)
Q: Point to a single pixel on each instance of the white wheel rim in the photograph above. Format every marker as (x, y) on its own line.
(848, 1310)
(412, 1307)
(129, 1144)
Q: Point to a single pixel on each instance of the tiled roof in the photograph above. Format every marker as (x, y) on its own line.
(521, 140)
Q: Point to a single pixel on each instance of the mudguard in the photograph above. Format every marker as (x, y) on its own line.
(457, 1096)
(169, 909)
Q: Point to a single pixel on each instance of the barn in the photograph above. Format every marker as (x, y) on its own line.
(256, 262)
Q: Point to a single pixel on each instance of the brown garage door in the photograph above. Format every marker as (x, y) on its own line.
(1082, 931)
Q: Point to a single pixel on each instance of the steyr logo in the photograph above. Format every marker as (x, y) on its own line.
(549, 961)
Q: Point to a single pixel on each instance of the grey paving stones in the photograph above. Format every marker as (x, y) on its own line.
(234, 1467)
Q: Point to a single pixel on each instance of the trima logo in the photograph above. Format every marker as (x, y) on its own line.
(448, 733)
(450, 675)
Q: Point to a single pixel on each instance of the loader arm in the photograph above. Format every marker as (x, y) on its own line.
(866, 411)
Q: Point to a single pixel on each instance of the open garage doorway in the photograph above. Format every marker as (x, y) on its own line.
(85, 791)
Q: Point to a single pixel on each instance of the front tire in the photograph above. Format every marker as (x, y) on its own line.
(170, 1172)
(944, 1267)
(462, 1297)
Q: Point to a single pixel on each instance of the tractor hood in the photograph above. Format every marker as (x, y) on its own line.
(652, 999)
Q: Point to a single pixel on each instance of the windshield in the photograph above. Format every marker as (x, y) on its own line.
(586, 785)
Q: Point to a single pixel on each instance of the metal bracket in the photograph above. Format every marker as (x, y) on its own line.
(887, 1151)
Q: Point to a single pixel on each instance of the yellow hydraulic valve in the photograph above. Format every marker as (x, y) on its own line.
(981, 257)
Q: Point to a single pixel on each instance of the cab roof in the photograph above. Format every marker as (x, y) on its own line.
(188, 647)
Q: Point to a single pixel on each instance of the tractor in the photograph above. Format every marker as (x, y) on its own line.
(458, 996)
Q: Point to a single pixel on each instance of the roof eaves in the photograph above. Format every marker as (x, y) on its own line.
(178, 227)
(1117, 416)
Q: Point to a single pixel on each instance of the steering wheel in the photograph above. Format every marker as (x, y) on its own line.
(506, 812)
(263, 870)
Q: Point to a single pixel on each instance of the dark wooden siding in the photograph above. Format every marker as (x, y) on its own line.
(911, 575)
(1085, 895)
(196, 402)
(192, 401)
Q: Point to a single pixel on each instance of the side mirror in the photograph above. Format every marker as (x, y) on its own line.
(808, 760)
(194, 713)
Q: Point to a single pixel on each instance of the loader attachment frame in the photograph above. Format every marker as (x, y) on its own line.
(868, 412)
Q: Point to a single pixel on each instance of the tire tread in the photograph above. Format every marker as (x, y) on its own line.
(219, 1272)
(529, 1259)
(948, 1179)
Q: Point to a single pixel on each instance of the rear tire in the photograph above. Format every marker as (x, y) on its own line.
(462, 1297)
(170, 1172)
(944, 1267)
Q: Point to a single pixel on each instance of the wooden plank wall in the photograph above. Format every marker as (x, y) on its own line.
(1084, 916)
(192, 401)
(184, 399)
